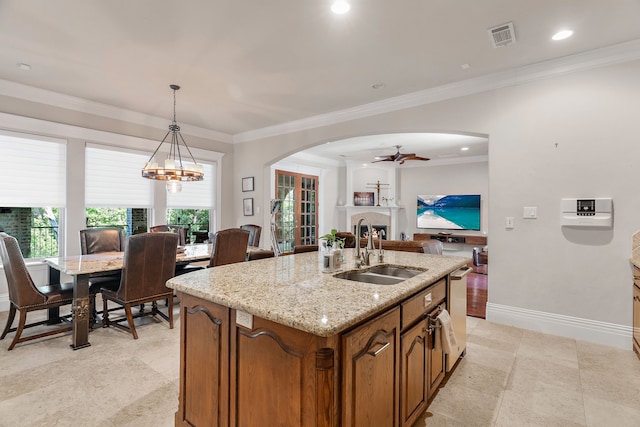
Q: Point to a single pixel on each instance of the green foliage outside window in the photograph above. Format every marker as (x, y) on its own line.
(44, 232)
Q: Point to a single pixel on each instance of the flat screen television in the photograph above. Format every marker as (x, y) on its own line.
(449, 212)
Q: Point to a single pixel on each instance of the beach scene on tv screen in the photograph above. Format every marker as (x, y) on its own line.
(449, 212)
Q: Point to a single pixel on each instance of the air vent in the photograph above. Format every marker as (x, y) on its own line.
(502, 35)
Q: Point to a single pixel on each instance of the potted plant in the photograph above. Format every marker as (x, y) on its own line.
(331, 241)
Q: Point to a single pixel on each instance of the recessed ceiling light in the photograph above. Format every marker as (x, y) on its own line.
(561, 35)
(340, 7)
(377, 86)
(465, 66)
(464, 149)
(24, 66)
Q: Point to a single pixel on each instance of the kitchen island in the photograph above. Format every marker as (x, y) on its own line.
(278, 342)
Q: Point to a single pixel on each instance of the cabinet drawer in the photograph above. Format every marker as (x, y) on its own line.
(415, 307)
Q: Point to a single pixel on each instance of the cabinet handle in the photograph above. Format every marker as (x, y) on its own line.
(378, 351)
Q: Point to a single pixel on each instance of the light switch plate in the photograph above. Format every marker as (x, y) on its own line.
(530, 212)
(508, 223)
(244, 319)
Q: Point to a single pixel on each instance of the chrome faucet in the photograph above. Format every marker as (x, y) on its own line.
(380, 251)
(363, 259)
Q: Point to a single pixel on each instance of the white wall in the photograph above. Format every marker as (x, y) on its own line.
(543, 277)
(467, 178)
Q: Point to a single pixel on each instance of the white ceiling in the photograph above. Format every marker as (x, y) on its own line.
(247, 65)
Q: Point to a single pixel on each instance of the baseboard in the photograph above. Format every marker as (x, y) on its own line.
(557, 324)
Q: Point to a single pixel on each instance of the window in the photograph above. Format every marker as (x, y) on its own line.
(192, 207)
(115, 192)
(33, 191)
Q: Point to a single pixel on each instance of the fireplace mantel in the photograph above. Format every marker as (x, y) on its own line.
(389, 211)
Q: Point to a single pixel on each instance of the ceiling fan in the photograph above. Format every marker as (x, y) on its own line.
(398, 157)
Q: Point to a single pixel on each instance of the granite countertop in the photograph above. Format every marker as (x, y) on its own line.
(293, 291)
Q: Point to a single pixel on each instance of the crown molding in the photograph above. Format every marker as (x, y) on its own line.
(615, 54)
(55, 99)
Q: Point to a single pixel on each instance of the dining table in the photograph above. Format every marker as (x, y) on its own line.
(83, 267)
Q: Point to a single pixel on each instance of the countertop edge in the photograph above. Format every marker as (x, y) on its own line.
(244, 299)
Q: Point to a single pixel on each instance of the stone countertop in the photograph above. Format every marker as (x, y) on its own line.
(293, 291)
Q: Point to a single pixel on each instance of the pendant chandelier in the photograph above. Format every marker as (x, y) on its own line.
(173, 170)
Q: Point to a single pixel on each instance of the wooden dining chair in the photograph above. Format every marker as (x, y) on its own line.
(25, 296)
(149, 261)
(229, 246)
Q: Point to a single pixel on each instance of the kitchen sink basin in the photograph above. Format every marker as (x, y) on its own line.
(380, 274)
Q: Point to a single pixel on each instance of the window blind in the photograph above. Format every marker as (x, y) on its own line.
(196, 195)
(33, 172)
(113, 179)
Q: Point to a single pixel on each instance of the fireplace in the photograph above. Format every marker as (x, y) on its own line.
(378, 230)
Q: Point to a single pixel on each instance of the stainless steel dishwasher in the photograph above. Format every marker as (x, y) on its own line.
(457, 292)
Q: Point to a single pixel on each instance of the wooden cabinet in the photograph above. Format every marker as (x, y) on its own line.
(371, 377)
(467, 239)
(414, 367)
(636, 310)
(422, 361)
(241, 370)
(204, 363)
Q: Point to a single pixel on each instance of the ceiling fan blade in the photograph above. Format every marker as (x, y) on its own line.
(383, 159)
(414, 157)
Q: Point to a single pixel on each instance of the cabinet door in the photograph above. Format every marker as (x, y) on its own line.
(204, 393)
(413, 377)
(636, 316)
(371, 372)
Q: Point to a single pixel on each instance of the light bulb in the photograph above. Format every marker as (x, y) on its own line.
(340, 7)
(174, 186)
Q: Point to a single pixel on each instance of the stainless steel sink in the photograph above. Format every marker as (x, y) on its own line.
(380, 274)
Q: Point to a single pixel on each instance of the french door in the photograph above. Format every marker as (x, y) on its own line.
(297, 222)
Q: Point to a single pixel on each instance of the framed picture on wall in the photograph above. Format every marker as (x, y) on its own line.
(363, 198)
(247, 184)
(247, 206)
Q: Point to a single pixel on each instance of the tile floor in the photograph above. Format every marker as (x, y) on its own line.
(509, 377)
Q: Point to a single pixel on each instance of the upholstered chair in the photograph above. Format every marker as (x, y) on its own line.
(101, 239)
(349, 238)
(255, 254)
(433, 247)
(95, 241)
(298, 249)
(180, 268)
(229, 246)
(149, 261)
(182, 240)
(25, 296)
(254, 233)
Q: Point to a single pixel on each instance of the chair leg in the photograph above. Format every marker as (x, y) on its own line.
(171, 313)
(21, 323)
(12, 315)
(105, 313)
(93, 311)
(127, 309)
